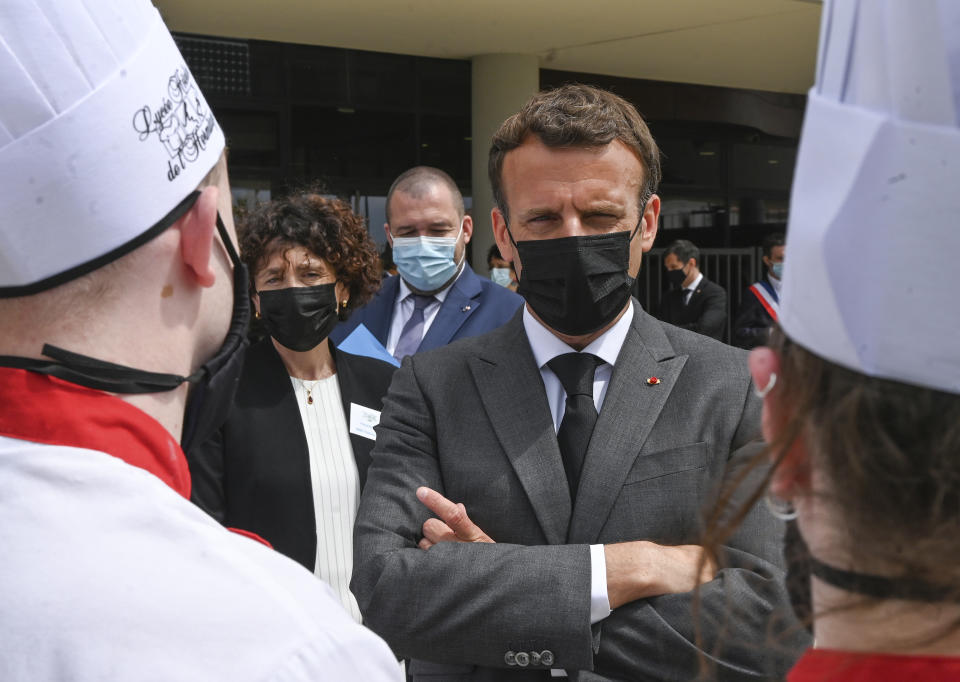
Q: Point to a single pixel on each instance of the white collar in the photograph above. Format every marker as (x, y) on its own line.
(546, 346)
(695, 283)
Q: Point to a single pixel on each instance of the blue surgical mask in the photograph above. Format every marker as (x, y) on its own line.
(426, 263)
(501, 276)
(776, 269)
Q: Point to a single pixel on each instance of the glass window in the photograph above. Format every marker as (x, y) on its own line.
(767, 167)
(445, 144)
(689, 162)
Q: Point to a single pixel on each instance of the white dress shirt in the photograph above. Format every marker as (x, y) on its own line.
(403, 309)
(546, 346)
(688, 291)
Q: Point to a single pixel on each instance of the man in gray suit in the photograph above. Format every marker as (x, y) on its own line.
(536, 496)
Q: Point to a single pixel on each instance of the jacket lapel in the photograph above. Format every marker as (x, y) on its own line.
(630, 409)
(378, 314)
(461, 302)
(515, 400)
(348, 382)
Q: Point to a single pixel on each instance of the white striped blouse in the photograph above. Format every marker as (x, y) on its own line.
(335, 483)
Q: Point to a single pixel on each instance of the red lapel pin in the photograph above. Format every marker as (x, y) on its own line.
(653, 381)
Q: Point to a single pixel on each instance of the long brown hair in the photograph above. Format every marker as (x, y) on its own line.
(891, 452)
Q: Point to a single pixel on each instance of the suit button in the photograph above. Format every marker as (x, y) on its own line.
(510, 658)
(546, 657)
(523, 659)
(534, 658)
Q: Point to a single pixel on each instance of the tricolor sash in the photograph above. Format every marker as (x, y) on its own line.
(768, 298)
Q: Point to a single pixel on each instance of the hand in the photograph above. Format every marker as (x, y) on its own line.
(453, 525)
(641, 569)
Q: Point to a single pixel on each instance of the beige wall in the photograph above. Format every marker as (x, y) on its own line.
(501, 83)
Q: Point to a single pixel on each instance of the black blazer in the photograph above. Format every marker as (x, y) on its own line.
(705, 312)
(254, 474)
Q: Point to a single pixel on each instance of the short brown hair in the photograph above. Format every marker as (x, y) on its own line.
(418, 180)
(575, 116)
(326, 227)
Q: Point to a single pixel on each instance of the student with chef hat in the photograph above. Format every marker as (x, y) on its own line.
(861, 382)
(124, 310)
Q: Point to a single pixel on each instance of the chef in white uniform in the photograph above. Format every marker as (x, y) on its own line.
(123, 308)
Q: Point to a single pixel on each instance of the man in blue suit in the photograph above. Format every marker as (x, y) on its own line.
(437, 298)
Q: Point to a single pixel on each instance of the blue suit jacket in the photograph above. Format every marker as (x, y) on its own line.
(474, 306)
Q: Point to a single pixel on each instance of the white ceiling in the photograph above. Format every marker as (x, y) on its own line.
(758, 44)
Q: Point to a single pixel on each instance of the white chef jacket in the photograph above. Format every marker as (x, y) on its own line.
(107, 573)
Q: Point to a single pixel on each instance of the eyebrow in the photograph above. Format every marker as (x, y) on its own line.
(600, 206)
(437, 223)
(271, 271)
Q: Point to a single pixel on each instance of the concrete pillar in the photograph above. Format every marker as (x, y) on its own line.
(501, 83)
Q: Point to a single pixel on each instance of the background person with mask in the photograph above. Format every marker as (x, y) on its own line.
(292, 457)
(693, 302)
(761, 303)
(861, 383)
(501, 271)
(124, 314)
(584, 437)
(437, 298)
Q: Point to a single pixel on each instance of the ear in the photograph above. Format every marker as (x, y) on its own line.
(342, 292)
(792, 474)
(651, 221)
(467, 229)
(501, 236)
(386, 231)
(197, 228)
(256, 303)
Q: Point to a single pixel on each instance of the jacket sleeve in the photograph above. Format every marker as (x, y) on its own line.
(745, 626)
(456, 602)
(207, 476)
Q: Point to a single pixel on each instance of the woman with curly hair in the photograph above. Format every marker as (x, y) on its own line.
(291, 460)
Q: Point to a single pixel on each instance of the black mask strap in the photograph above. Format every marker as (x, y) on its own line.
(880, 587)
(97, 374)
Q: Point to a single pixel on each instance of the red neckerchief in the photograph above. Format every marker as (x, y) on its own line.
(44, 409)
(826, 665)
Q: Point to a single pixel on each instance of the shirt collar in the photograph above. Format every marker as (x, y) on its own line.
(546, 346)
(695, 283)
(441, 295)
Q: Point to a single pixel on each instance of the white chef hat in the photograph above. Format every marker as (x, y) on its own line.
(870, 278)
(103, 131)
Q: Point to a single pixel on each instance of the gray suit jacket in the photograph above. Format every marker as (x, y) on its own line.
(472, 421)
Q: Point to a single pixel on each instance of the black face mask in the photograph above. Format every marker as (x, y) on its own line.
(801, 565)
(576, 285)
(300, 317)
(675, 277)
(214, 384)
